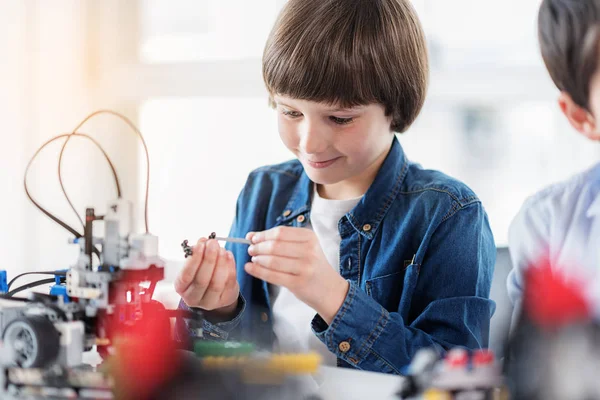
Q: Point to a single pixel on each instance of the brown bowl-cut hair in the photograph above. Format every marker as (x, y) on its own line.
(349, 53)
(569, 33)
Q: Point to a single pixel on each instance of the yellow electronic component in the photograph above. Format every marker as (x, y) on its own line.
(436, 394)
(295, 363)
(269, 369)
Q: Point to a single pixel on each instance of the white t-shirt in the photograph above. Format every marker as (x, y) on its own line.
(291, 317)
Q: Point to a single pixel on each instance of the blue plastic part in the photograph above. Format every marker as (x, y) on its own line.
(57, 278)
(3, 282)
(60, 290)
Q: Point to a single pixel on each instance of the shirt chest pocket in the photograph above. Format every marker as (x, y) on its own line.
(394, 291)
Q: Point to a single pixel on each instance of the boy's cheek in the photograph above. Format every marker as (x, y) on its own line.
(288, 135)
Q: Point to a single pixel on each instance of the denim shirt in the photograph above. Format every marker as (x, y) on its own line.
(417, 251)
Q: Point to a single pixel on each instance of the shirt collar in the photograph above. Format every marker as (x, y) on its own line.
(299, 202)
(366, 217)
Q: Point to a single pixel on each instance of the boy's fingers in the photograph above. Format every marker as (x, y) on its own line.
(283, 233)
(188, 272)
(281, 264)
(218, 281)
(278, 248)
(207, 267)
(232, 278)
(267, 275)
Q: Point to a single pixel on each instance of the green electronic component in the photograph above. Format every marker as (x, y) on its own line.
(205, 348)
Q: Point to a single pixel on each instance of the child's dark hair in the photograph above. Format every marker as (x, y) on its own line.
(568, 31)
(350, 52)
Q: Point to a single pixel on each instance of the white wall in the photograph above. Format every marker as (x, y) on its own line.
(12, 145)
(47, 85)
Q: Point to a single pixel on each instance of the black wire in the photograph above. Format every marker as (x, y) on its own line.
(137, 132)
(60, 181)
(58, 273)
(42, 209)
(23, 299)
(29, 286)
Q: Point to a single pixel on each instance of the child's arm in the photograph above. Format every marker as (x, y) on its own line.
(208, 287)
(223, 324)
(450, 305)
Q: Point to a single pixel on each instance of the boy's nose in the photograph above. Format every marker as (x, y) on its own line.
(313, 139)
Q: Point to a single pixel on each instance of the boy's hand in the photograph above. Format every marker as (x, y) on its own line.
(293, 258)
(208, 279)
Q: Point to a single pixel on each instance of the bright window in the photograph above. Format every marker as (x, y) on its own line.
(490, 118)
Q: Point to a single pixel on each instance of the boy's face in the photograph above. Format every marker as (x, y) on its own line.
(343, 147)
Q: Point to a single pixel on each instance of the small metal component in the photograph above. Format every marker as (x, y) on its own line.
(214, 236)
(186, 249)
(233, 240)
(189, 250)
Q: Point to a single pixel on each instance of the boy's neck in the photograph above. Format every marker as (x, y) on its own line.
(354, 187)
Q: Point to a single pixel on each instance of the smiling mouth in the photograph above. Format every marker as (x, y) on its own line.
(322, 164)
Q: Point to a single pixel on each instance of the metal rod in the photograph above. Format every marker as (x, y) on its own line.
(233, 240)
(188, 250)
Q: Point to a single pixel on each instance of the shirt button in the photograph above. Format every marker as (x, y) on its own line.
(264, 317)
(344, 347)
(366, 227)
(286, 213)
(301, 218)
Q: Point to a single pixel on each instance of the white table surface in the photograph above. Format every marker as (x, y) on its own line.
(348, 384)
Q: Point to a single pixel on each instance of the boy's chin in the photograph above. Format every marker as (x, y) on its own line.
(323, 177)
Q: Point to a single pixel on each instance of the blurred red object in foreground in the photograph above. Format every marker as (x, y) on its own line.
(146, 356)
(552, 301)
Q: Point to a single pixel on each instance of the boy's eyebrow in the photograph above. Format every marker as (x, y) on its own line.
(335, 109)
(355, 108)
(282, 104)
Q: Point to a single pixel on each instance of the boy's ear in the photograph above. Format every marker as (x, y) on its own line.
(580, 118)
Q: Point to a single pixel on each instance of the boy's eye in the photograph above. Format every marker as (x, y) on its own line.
(291, 114)
(340, 121)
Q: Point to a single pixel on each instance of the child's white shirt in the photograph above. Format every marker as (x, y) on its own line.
(561, 224)
(291, 317)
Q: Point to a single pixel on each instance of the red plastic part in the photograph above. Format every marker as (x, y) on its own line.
(483, 357)
(457, 358)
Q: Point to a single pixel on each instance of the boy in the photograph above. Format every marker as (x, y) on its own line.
(561, 224)
(356, 253)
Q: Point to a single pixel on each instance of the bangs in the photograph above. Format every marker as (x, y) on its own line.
(323, 65)
(349, 53)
